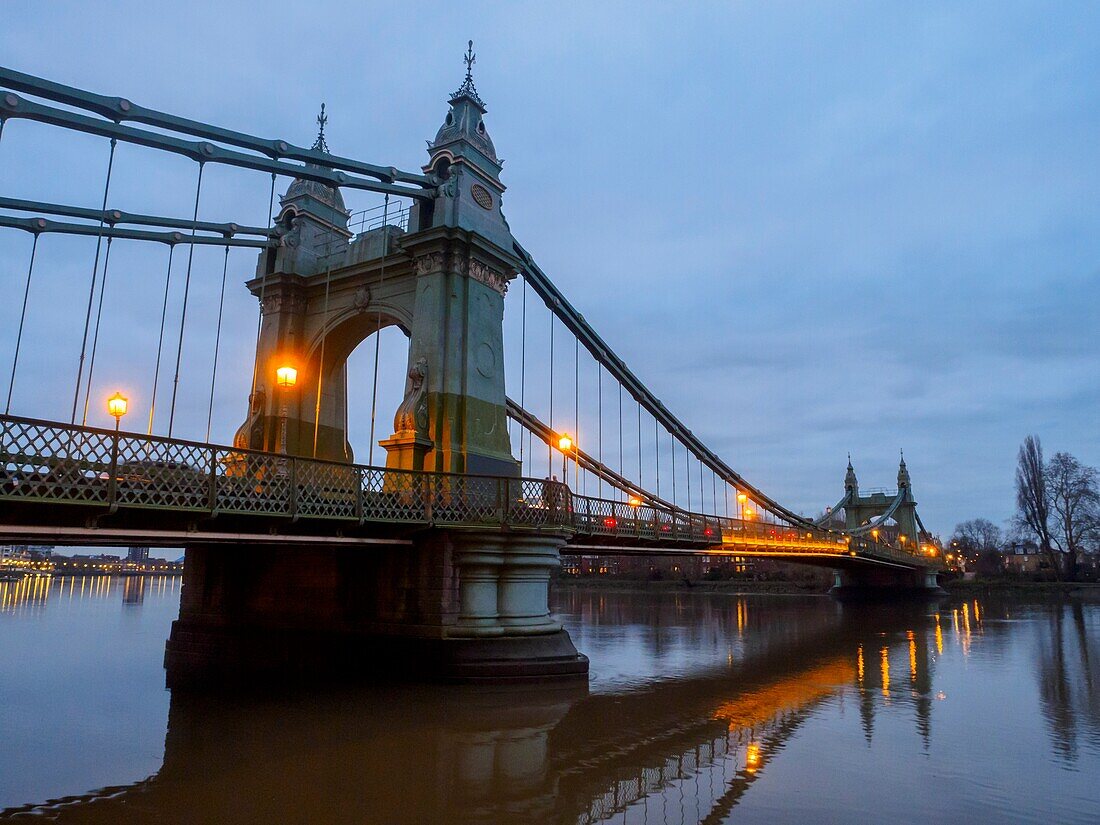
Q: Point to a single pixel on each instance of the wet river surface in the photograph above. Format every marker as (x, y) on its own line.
(701, 708)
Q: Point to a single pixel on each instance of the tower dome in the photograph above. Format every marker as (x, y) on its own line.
(465, 121)
(313, 197)
(850, 482)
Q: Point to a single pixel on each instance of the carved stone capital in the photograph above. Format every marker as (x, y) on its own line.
(488, 276)
(283, 300)
(429, 263)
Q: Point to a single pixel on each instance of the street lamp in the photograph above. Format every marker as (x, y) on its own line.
(286, 377)
(635, 501)
(116, 406)
(565, 444)
(874, 534)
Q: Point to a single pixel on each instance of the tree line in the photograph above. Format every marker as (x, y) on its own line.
(1057, 509)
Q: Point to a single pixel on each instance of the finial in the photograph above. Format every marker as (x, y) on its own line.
(322, 119)
(470, 59)
(467, 88)
(902, 451)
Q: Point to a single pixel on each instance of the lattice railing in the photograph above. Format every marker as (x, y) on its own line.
(49, 462)
(44, 461)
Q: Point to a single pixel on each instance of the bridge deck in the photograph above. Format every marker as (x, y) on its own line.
(83, 485)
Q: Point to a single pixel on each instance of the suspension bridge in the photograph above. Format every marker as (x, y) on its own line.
(439, 556)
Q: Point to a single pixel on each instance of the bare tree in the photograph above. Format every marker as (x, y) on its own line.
(977, 535)
(1032, 499)
(1075, 504)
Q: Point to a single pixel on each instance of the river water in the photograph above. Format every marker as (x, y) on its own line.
(701, 708)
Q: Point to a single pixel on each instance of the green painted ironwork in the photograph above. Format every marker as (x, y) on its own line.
(44, 462)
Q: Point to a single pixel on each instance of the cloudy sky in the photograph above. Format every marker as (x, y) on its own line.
(810, 227)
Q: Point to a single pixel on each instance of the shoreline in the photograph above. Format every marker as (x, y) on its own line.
(1066, 591)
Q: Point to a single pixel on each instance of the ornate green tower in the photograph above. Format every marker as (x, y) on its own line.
(454, 417)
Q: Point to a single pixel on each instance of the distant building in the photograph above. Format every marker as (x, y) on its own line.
(1023, 557)
(14, 554)
(138, 554)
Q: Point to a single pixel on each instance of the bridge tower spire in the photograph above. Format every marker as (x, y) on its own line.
(464, 259)
(851, 483)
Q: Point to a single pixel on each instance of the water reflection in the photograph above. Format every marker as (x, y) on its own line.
(694, 700)
(31, 593)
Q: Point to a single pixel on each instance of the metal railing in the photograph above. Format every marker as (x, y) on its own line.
(50, 462)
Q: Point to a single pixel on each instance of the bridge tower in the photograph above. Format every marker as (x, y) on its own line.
(859, 510)
(465, 603)
(442, 283)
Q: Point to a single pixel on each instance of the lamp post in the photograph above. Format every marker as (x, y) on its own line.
(285, 377)
(741, 499)
(116, 406)
(565, 444)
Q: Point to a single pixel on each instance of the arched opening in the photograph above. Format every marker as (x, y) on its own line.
(338, 412)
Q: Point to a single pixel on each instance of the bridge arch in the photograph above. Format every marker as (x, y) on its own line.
(327, 357)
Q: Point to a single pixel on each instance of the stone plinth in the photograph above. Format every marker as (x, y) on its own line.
(454, 605)
(875, 584)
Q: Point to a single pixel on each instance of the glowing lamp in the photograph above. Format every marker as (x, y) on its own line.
(565, 443)
(286, 377)
(635, 501)
(116, 406)
(741, 497)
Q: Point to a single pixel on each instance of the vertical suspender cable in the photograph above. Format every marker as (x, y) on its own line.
(550, 420)
(91, 288)
(599, 426)
(576, 405)
(217, 346)
(183, 313)
(160, 337)
(22, 318)
(621, 467)
(321, 354)
(522, 364)
(263, 286)
(657, 453)
(378, 331)
(95, 334)
(641, 481)
(673, 462)
(702, 506)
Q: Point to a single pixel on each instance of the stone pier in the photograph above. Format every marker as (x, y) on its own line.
(455, 605)
(878, 583)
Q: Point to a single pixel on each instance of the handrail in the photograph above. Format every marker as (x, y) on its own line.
(44, 461)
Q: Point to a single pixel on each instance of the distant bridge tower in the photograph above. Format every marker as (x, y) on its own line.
(902, 507)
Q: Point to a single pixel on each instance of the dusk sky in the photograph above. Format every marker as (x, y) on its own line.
(811, 228)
